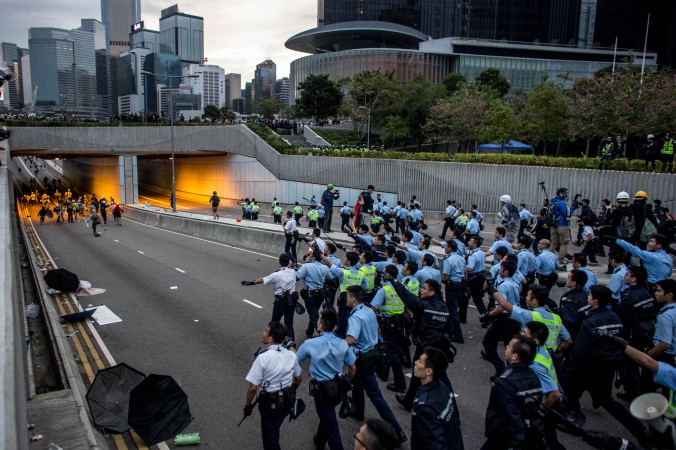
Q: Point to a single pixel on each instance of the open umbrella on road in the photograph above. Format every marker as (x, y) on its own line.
(158, 409)
(108, 396)
(62, 280)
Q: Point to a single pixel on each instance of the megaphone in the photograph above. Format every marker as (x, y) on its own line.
(650, 409)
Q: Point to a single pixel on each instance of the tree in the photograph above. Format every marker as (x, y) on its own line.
(500, 123)
(545, 113)
(211, 113)
(268, 107)
(459, 116)
(371, 91)
(396, 131)
(492, 79)
(319, 97)
(452, 82)
(417, 99)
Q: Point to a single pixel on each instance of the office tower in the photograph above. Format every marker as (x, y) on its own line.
(182, 34)
(264, 80)
(51, 63)
(117, 16)
(210, 84)
(98, 38)
(162, 65)
(26, 85)
(144, 38)
(233, 88)
(132, 98)
(247, 94)
(11, 55)
(282, 91)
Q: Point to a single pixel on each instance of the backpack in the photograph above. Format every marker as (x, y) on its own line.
(550, 216)
(647, 231)
(627, 227)
(215, 200)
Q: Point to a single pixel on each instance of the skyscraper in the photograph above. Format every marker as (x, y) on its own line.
(282, 91)
(264, 80)
(210, 84)
(233, 88)
(182, 34)
(118, 16)
(11, 55)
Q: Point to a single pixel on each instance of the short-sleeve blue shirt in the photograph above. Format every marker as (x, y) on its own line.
(665, 330)
(454, 266)
(362, 325)
(616, 283)
(313, 275)
(328, 353)
(546, 381)
(476, 261)
(546, 262)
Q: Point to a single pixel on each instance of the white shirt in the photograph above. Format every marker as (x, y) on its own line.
(274, 368)
(290, 226)
(321, 245)
(284, 280)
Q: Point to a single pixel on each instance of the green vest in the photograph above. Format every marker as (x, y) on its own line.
(607, 148)
(350, 279)
(297, 210)
(413, 286)
(256, 208)
(462, 220)
(393, 303)
(278, 210)
(370, 275)
(668, 148)
(671, 407)
(554, 326)
(313, 214)
(549, 365)
(376, 220)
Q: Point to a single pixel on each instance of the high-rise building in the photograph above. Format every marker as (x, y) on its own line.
(282, 91)
(51, 62)
(233, 88)
(247, 95)
(163, 66)
(210, 84)
(264, 80)
(132, 98)
(95, 40)
(144, 38)
(182, 34)
(118, 16)
(11, 55)
(26, 81)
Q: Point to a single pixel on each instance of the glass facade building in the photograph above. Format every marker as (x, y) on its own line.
(162, 65)
(264, 80)
(11, 55)
(182, 34)
(52, 68)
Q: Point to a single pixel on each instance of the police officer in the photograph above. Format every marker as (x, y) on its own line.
(285, 293)
(596, 362)
(616, 283)
(500, 241)
(297, 212)
(427, 270)
(435, 421)
(277, 213)
(546, 265)
(291, 235)
(255, 210)
(512, 412)
(276, 371)
(453, 276)
(347, 276)
(431, 327)
(387, 303)
(573, 305)
(657, 262)
(328, 354)
(362, 337)
(313, 274)
(526, 259)
(667, 153)
(636, 310)
(476, 262)
(345, 215)
(369, 272)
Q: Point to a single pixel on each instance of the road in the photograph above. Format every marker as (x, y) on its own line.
(184, 314)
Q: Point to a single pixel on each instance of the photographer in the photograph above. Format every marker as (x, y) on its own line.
(559, 229)
(328, 196)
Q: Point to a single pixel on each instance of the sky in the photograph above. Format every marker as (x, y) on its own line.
(238, 34)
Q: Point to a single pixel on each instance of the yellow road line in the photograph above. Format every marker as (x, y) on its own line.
(138, 441)
(119, 441)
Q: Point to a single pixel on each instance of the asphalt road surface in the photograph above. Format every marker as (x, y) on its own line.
(185, 314)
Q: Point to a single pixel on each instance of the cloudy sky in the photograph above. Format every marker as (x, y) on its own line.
(238, 34)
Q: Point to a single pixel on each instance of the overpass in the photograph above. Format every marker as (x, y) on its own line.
(236, 162)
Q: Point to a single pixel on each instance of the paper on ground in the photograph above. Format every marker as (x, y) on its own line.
(104, 315)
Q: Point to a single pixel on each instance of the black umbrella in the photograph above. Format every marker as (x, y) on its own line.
(108, 396)
(80, 315)
(158, 409)
(62, 280)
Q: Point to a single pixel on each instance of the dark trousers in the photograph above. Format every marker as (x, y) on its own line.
(393, 339)
(312, 304)
(590, 251)
(667, 162)
(271, 421)
(328, 217)
(547, 280)
(290, 248)
(476, 285)
(343, 312)
(312, 223)
(94, 224)
(454, 296)
(104, 216)
(277, 218)
(415, 382)
(364, 382)
(281, 308)
(400, 225)
(502, 329)
(345, 226)
(448, 223)
(600, 387)
(328, 431)
(297, 217)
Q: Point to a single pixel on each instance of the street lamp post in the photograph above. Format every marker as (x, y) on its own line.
(368, 127)
(171, 121)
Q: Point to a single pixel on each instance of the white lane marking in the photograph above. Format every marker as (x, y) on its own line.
(205, 240)
(182, 271)
(116, 240)
(173, 287)
(141, 252)
(252, 304)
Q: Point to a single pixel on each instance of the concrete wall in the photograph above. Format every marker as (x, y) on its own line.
(113, 176)
(432, 182)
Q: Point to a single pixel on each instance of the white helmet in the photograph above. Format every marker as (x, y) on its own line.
(622, 197)
(506, 199)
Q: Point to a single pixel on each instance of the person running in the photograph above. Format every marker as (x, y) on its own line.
(215, 201)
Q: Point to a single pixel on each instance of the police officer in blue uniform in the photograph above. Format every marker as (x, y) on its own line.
(573, 305)
(313, 274)
(328, 354)
(476, 262)
(362, 337)
(512, 413)
(453, 270)
(435, 421)
(276, 371)
(657, 262)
